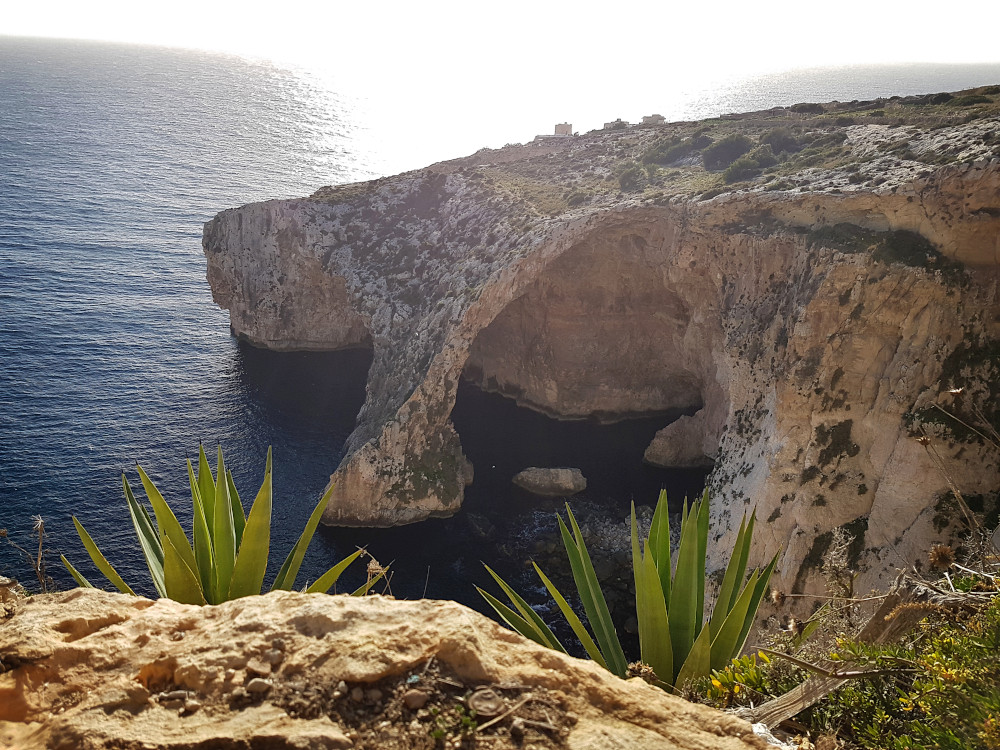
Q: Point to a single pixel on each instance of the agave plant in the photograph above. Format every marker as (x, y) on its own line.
(228, 557)
(675, 639)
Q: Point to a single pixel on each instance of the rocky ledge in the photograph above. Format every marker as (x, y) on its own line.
(88, 669)
(820, 305)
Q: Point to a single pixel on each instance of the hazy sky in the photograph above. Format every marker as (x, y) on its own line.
(475, 61)
(499, 40)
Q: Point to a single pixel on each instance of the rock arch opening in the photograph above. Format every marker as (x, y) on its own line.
(603, 349)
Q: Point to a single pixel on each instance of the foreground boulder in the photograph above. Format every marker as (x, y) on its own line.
(88, 669)
(551, 482)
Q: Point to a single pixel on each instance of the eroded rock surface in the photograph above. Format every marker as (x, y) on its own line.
(815, 316)
(88, 669)
(683, 444)
(561, 482)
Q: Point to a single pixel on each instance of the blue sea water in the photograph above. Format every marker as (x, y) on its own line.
(112, 350)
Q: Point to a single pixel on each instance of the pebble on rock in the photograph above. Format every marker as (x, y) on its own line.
(259, 666)
(258, 685)
(273, 657)
(415, 699)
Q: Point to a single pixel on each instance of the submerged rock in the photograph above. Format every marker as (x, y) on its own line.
(561, 482)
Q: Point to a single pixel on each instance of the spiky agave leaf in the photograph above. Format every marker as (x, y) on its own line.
(594, 603)
(204, 555)
(571, 617)
(99, 560)
(651, 607)
(536, 629)
(688, 576)
(290, 568)
(166, 523)
(251, 559)
(223, 536)
(326, 581)
(149, 539)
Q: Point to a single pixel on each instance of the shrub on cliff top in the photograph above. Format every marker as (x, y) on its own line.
(724, 152)
(750, 165)
(228, 557)
(781, 139)
(931, 688)
(632, 177)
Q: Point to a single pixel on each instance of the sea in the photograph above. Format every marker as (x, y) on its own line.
(113, 353)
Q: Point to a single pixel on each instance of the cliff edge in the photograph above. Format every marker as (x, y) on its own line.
(87, 669)
(816, 284)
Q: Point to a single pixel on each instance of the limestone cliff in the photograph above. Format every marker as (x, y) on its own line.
(814, 303)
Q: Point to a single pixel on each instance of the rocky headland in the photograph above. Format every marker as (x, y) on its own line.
(816, 285)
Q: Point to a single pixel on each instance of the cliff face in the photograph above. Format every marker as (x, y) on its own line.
(815, 315)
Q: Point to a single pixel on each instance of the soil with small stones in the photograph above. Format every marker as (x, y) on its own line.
(378, 717)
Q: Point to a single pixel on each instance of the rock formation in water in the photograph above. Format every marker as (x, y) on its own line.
(815, 306)
(551, 482)
(87, 669)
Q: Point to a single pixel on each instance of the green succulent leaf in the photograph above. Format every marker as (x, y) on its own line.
(100, 560)
(699, 659)
(206, 487)
(149, 539)
(758, 594)
(571, 617)
(204, 555)
(703, 508)
(743, 553)
(659, 542)
(542, 633)
(290, 568)
(727, 643)
(223, 536)
(731, 580)
(239, 519)
(166, 522)
(512, 618)
(251, 560)
(594, 603)
(81, 581)
(651, 609)
(182, 583)
(683, 607)
(327, 581)
(364, 588)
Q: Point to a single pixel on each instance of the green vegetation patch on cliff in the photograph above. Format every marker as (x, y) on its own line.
(894, 246)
